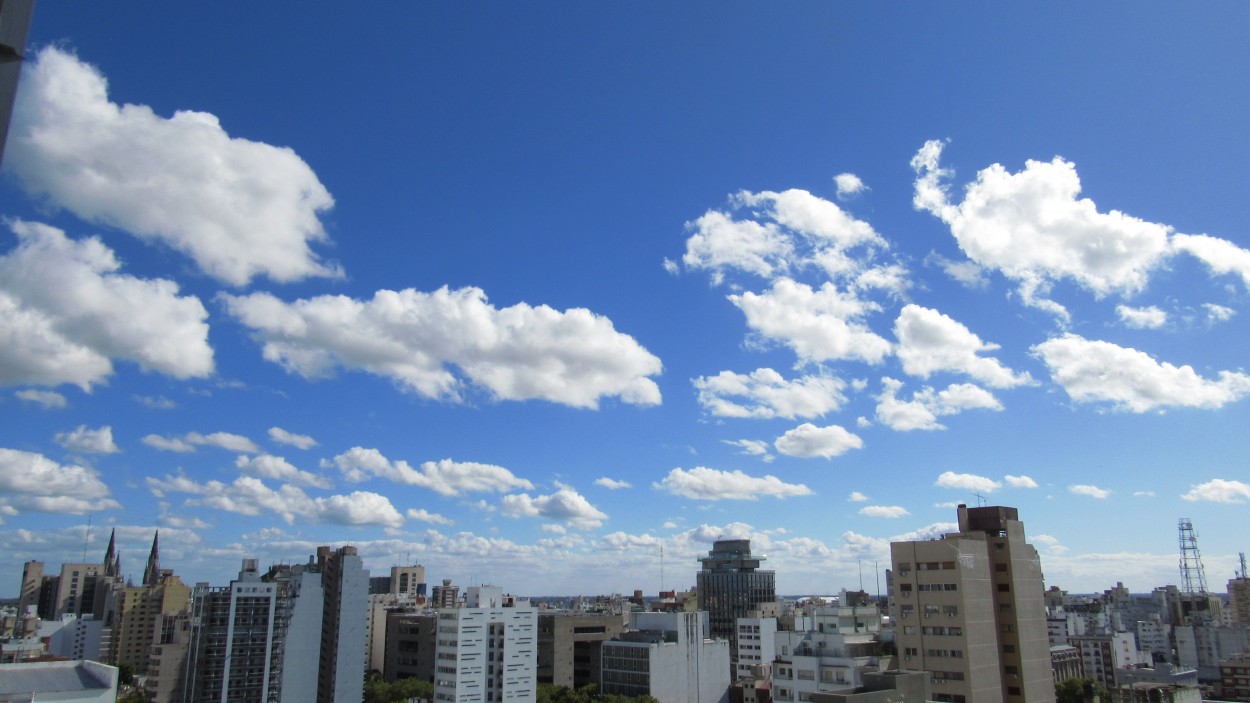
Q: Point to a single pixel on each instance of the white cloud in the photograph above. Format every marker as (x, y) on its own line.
(819, 325)
(299, 441)
(784, 231)
(521, 352)
(158, 402)
(1218, 313)
(848, 184)
(239, 208)
(1031, 227)
(168, 444)
(1219, 490)
(1220, 255)
(1147, 318)
(701, 483)
(88, 441)
(423, 515)
(1020, 481)
(65, 313)
(764, 393)
(885, 511)
(1143, 494)
(1093, 371)
(719, 242)
(857, 497)
(191, 440)
(33, 482)
(966, 273)
(250, 496)
(618, 541)
(752, 447)
(1085, 489)
(447, 477)
(947, 504)
(1051, 543)
(612, 484)
(927, 404)
(809, 441)
(278, 468)
(565, 504)
(967, 482)
(929, 342)
(48, 399)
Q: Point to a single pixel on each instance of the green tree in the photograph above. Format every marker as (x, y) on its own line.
(1079, 690)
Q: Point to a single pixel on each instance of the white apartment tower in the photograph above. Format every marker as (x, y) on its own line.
(969, 611)
(486, 652)
(668, 656)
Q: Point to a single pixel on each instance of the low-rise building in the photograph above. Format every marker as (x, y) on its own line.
(669, 657)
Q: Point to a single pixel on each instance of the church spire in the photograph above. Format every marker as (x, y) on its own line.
(112, 562)
(152, 574)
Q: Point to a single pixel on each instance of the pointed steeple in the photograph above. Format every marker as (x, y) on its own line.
(110, 556)
(152, 573)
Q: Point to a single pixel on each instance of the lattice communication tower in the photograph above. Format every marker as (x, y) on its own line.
(1193, 580)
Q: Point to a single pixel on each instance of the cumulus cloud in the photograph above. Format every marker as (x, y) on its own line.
(929, 342)
(967, 273)
(156, 402)
(809, 441)
(848, 184)
(1219, 490)
(612, 484)
(885, 511)
(1147, 318)
(66, 313)
(423, 515)
(701, 483)
(50, 400)
(521, 352)
(1085, 489)
(238, 208)
(299, 441)
(1031, 227)
(248, 495)
(189, 441)
(447, 477)
(565, 505)
(857, 497)
(718, 242)
(1131, 380)
(927, 404)
(88, 441)
(33, 482)
(967, 482)
(819, 325)
(751, 447)
(1020, 481)
(764, 393)
(1218, 313)
(278, 468)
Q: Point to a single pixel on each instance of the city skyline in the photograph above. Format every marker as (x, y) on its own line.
(573, 286)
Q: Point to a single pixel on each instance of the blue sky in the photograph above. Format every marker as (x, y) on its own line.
(530, 294)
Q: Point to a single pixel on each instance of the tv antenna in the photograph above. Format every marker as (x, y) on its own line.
(85, 539)
(980, 500)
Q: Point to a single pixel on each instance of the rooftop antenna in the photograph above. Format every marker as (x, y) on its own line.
(1243, 564)
(980, 500)
(1242, 555)
(861, 574)
(85, 539)
(1193, 580)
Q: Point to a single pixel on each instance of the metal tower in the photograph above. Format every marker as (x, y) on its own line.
(1193, 580)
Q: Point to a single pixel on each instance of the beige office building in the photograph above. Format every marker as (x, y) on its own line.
(970, 613)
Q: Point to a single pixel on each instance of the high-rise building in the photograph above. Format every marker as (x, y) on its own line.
(445, 596)
(408, 579)
(486, 652)
(969, 610)
(731, 584)
(75, 589)
(32, 580)
(294, 635)
(569, 646)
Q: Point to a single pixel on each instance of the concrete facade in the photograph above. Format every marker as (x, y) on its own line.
(970, 611)
(570, 646)
(667, 656)
(730, 585)
(487, 653)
